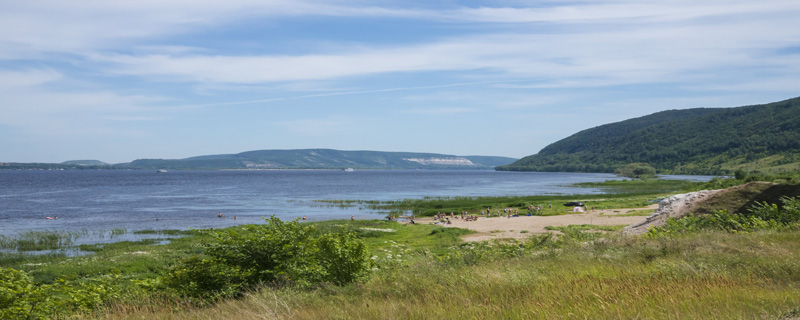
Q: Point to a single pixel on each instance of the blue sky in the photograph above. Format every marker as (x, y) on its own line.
(120, 80)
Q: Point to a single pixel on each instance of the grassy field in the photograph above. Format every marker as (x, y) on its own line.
(702, 276)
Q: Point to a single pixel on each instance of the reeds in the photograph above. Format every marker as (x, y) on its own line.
(40, 240)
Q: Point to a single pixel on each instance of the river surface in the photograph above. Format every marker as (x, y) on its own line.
(97, 200)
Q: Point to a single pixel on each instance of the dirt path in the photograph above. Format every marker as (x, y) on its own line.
(502, 227)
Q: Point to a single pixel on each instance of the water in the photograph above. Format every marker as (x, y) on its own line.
(97, 200)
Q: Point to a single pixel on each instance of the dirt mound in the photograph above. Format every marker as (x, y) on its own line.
(735, 199)
(676, 206)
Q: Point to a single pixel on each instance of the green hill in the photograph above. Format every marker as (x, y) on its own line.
(86, 163)
(695, 141)
(324, 159)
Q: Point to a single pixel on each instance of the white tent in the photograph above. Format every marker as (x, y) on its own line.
(577, 209)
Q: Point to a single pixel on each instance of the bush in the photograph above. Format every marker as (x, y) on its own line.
(16, 289)
(787, 213)
(343, 257)
(207, 279)
(276, 253)
(636, 171)
(20, 298)
(759, 217)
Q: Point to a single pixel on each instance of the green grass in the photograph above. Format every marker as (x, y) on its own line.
(638, 186)
(702, 276)
(619, 194)
(39, 240)
(135, 259)
(433, 238)
(552, 205)
(140, 260)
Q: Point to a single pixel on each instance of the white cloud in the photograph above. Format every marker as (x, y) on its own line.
(27, 78)
(31, 106)
(621, 11)
(318, 127)
(47, 26)
(80, 26)
(630, 55)
(614, 41)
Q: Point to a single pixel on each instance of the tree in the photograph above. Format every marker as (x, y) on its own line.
(636, 171)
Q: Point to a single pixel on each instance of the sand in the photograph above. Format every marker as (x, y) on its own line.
(504, 228)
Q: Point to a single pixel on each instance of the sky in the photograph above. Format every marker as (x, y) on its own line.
(122, 80)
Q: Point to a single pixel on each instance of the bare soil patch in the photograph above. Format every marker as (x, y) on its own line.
(504, 228)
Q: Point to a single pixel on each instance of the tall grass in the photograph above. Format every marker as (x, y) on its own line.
(40, 240)
(702, 276)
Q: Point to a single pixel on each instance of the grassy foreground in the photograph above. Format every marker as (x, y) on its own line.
(713, 275)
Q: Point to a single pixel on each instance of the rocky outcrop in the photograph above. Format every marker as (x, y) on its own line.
(676, 206)
(442, 161)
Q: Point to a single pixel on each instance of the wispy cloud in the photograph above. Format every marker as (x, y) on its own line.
(317, 126)
(344, 93)
(439, 111)
(602, 51)
(30, 105)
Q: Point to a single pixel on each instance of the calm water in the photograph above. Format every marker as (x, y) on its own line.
(145, 200)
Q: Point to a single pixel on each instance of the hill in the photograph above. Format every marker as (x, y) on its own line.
(323, 159)
(86, 163)
(693, 141)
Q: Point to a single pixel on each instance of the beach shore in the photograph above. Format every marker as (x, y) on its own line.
(488, 228)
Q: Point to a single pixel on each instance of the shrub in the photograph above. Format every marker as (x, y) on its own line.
(20, 298)
(207, 279)
(16, 291)
(636, 171)
(786, 214)
(276, 253)
(759, 217)
(343, 257)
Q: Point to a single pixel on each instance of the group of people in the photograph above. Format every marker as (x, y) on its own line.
(444, 219)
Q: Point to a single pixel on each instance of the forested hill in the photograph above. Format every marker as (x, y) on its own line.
(323, 159)
(693, 141)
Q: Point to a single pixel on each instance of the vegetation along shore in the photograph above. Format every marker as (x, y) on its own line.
(734, 256)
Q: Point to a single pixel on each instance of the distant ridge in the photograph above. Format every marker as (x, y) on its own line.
(86, 163)
(323, 159)
(693, 141)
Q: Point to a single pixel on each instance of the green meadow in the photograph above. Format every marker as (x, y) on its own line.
(722, 265)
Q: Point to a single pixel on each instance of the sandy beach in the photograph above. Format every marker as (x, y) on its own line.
(504, 228)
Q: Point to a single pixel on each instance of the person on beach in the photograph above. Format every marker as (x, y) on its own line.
(352, 218)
